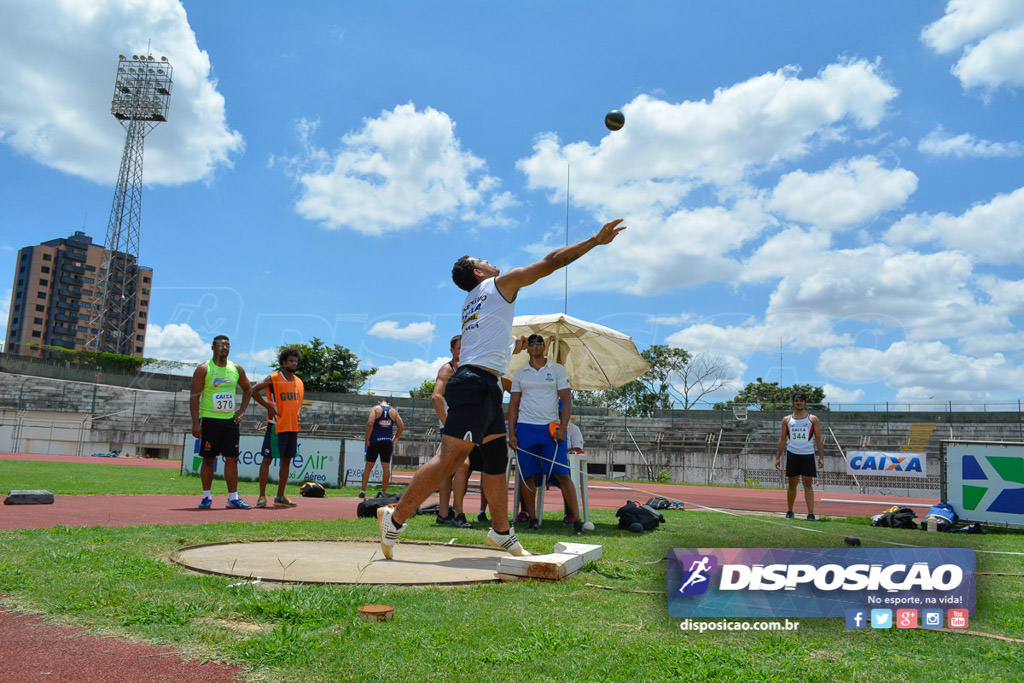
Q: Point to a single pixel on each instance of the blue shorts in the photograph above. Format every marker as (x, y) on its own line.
(279, 445)
(537, 440)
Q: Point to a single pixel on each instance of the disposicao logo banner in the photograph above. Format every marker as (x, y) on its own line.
(816, 582)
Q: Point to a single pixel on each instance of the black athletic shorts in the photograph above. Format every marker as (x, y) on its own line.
(379, 449)
(800, 465)
(474, 397)
(476, 461)
(219, 437)
(284, 445)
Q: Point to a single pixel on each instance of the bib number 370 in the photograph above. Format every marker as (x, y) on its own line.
(224, 403)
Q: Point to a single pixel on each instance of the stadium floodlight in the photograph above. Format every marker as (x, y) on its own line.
(142, 97)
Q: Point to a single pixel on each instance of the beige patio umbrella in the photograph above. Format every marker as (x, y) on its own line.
(595, 357)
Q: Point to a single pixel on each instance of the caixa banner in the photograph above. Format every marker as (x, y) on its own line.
(816, 582)
(886, 464)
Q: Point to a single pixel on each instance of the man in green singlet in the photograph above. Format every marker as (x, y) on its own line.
(215, 419)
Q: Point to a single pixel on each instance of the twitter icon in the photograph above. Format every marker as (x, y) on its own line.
(881, 618)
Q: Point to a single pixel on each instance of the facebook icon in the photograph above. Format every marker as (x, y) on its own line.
(856, 618)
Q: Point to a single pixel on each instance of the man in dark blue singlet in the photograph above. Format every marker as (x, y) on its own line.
(380, 442)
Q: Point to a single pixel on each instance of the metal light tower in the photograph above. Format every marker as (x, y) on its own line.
(142, 95)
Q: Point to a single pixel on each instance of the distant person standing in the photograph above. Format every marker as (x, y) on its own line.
(284, 394)
(800, 437)
(215, 419)
(380, 442)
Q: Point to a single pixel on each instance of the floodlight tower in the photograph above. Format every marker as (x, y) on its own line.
(142, 95)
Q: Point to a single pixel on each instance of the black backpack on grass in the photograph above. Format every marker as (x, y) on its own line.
(646, 516)
(368, 507)
(896, 518)
(311, 489)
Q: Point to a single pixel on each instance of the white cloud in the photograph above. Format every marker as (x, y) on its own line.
(401, 376)
(176, 342)
(924, 295)
(921, 370)
(799, 329)
(59, 63)
(991, 33)
(834, 394)
(414, 332)
(938, 143)
(681, 174)
(990, 231)
(837, 394)
(849, 193)
(774, 258)
(665, 147)
(400, 170)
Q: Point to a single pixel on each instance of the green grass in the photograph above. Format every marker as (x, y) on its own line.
(117, 581)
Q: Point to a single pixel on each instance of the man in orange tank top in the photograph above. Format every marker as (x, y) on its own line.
(283, 401)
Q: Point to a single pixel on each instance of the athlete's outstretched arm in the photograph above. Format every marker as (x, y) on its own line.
(511, 282)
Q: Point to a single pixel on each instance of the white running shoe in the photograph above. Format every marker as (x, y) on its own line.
(507, 542)
(388, 531)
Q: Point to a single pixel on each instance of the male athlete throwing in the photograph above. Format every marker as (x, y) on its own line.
(474, 392)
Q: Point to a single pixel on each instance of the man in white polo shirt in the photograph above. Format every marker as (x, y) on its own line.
(538, 416)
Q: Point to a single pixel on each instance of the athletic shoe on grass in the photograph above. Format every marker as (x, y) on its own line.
(206, 503)
(261, 502)
(789, 514)
(450, 519)
(534, 525)
(461, 522)
(388, 530)
(238, 504)
(577, 527)
(811, 517)
(522, 518)
(482, 517)
(507, 542)
(283, 502)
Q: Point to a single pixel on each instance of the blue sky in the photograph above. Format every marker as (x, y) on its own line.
(838, 183)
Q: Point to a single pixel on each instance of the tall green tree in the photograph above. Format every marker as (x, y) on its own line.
(333, 369)
(425, 390)
(761, 395)
(648, 392)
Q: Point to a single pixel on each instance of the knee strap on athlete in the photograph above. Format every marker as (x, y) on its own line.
(494, 456)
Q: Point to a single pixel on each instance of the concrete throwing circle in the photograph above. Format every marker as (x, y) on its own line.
(344, 562)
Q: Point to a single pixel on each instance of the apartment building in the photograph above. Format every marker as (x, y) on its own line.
(52, 298)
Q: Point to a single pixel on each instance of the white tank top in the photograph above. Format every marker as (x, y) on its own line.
(487, 328)
(801, 435)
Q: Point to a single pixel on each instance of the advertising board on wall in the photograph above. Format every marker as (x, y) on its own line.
(317, 460)
(889, 464)
(984, 481)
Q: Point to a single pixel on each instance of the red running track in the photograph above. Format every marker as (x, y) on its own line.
(125, 510)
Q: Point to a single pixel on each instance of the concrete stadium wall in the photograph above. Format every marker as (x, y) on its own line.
(39, 414)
